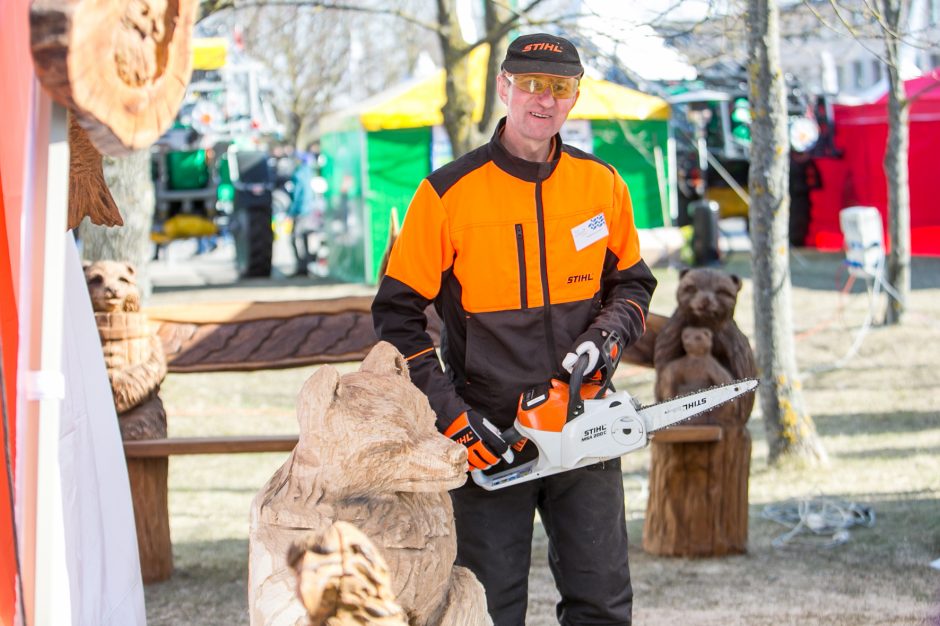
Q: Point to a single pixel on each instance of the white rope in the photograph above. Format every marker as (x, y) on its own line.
(825, 519)
(874, 282)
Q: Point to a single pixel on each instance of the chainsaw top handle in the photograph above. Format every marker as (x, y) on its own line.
(575, 403)
(610, 354)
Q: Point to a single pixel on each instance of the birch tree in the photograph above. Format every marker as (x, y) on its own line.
(791, 432)
(896, 169)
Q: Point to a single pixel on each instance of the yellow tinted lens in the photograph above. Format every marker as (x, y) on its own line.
(532, 84)
(564, 87)
(535, 84)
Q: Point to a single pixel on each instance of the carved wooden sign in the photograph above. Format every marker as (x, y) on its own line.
(121, 67)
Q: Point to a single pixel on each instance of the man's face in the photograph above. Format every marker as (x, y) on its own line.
(534, 116)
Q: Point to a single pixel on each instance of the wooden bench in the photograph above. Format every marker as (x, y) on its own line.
(234, 336)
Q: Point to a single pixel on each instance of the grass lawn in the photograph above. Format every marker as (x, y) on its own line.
(878, 414)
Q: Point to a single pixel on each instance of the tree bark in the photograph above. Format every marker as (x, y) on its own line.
(896, 171)
(132, 188)
(789, 427)
(458, 109)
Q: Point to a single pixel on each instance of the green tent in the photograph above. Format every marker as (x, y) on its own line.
(377, 154)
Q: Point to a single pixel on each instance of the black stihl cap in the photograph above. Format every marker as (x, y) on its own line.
(542, 54)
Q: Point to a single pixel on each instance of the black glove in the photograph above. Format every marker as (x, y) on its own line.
(484, 444)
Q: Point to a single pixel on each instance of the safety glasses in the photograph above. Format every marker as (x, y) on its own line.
(562, 87)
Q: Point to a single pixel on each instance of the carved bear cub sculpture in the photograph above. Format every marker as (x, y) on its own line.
(698, 369)
(343, 580)
(368, 454)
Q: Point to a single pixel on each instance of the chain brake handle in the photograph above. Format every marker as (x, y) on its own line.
(610, 355)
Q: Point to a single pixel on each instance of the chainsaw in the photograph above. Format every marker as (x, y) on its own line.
(574, 425)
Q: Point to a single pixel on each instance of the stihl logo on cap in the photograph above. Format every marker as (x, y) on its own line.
(551, 47)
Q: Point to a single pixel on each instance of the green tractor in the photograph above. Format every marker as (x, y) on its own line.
(211, 175)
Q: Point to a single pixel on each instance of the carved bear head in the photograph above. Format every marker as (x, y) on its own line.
(706, 297)
(112, 286)
(373, 431)
(696, 340)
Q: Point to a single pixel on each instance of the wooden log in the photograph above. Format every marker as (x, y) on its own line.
(149, 448)
(148, 479)
(698, 496)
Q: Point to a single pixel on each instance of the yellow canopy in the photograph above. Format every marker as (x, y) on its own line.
(209, 53)
(420, 104)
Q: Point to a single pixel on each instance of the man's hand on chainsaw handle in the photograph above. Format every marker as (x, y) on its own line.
(482, 439)
(591, 342)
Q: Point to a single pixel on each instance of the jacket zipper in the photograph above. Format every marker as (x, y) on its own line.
(543, 267)
(520, 253)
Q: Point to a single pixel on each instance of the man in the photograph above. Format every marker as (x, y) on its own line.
(528, 250)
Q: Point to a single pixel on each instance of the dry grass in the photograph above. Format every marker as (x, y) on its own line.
(877, 415)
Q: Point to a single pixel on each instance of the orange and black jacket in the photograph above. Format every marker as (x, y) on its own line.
(519, 258)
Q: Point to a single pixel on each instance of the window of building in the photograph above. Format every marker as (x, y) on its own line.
(876, 70)
(858, 74)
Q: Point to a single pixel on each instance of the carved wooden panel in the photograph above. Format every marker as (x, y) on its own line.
(120, 67)
(267, 335)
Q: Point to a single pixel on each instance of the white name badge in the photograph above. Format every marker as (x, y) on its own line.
(590, 231)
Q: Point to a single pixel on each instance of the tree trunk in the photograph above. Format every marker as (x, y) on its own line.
(790, 429)
(130, 183)
(896, 172)
(458, 109)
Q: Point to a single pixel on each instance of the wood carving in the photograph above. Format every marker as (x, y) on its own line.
(706, 298)
(120, 67)
(342, 580)
(394, 228)
(136, 366)
(89, 194)
(698, 491)
(696, 370)
(368, 454)
(246, 336)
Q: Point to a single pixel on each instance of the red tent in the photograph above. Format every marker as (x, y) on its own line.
(857, 178)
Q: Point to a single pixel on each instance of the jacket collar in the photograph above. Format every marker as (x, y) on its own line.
(529, 171)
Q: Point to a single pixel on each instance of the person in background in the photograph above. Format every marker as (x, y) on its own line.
(303, 212)
(528, 251)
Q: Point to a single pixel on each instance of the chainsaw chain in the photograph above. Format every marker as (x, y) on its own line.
(695, 393)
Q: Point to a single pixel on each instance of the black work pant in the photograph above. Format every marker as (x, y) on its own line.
(583, 514)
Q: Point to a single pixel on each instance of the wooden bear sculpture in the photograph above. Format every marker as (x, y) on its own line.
(698, 490)
(136, 365)
(706, 298)
(133, 353)
(368, 454)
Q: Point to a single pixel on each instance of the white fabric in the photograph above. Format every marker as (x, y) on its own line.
(588, 347)
(101, 540)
